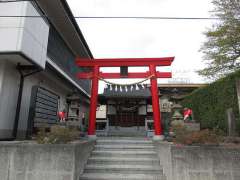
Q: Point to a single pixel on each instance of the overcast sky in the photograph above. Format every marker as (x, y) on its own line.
(123, 38)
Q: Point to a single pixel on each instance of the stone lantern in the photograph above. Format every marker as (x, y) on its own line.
(177, 107)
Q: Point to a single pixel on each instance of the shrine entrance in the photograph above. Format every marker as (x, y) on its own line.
(95, 75)
(127, 114)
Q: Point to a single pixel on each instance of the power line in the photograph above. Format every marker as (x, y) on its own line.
(121, 17)
(10, 1)
(147, 17)
(111, 17)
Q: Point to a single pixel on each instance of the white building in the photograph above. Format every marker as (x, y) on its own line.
(38, 45)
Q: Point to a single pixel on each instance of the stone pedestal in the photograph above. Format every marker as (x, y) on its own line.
(177, 123)
(192, 126)
(158, 138)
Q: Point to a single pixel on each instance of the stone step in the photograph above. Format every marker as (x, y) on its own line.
(123, 160)
(119, 176)
(124, 141)
(124, 146)
(123, 169)
(129, 137)
(126, 134)
(124, 153)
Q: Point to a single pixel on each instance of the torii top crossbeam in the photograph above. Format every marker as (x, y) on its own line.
(116, 62)
(95, 74)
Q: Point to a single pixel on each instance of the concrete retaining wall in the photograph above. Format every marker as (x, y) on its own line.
(199, 162)
(28, 161)
(164, 153)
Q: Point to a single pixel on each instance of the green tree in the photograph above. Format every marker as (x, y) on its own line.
(222, 48)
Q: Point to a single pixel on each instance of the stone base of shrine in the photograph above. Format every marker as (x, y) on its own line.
(92, 137)
(158, 138)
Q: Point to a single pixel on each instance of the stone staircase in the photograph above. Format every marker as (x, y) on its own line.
(127, 131)
(122, 159)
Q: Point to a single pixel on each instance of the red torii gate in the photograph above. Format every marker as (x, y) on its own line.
(95, 74)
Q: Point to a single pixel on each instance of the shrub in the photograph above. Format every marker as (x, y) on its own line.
(180, 133)
(231, 140)
(57, 135)
(206, 136)
(209, 104)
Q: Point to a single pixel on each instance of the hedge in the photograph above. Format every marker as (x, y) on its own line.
(209, 103)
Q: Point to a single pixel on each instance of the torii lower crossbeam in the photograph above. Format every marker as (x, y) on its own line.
(119, 76)
(95, 75)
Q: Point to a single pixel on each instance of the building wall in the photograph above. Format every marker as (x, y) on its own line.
(19, 35)
(9, 80)
(9, 86)
(24, 34)
(25, 40)
(61, 55)
(47, 80)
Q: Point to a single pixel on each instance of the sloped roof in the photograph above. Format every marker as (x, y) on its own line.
(59, 14)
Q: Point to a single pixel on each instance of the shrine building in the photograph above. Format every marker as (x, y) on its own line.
(127, 110)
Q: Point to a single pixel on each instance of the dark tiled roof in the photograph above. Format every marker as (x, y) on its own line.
(131, 92)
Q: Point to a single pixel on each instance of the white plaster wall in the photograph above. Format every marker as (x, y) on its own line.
(2, 65)
(11, 28)
(101, 112)
(23, 34)
(142, 110)
(9, 83)
(50, 82)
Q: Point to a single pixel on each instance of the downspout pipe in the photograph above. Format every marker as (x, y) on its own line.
(19, 101)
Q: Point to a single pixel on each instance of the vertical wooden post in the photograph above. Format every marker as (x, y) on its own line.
(238, 92)
(155, 104)
(231, 122)
(93, 103)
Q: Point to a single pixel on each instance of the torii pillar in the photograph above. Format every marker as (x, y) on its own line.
(156, 105)
(95, 74)
(93, 104)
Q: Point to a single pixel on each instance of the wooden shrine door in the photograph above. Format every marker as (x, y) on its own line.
(127, 113)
